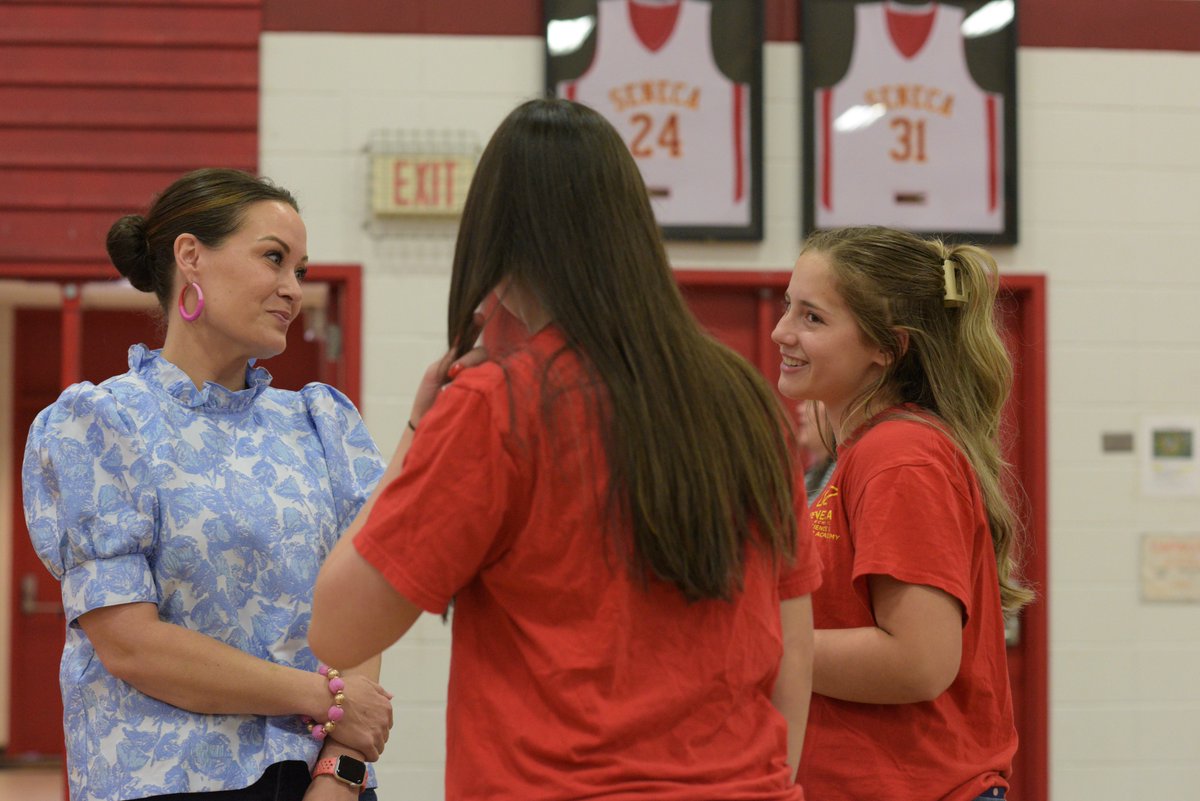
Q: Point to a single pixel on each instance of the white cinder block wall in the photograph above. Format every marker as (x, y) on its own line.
(1110, 209)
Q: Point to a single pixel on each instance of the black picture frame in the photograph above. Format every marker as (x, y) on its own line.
(914, 148)
(674, 125)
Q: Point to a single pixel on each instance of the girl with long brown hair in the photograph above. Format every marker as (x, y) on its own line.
(610, 506)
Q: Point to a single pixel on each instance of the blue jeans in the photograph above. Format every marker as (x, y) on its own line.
(283, 781)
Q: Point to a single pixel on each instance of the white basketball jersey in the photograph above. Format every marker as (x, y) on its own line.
(686, 124)
(909, 141)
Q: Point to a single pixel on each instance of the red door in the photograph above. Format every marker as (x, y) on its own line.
(741, 308)
(329, 352)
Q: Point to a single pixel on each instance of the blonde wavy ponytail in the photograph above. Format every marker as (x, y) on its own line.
(931, 307)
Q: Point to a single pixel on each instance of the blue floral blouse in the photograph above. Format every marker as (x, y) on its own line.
(217, 506)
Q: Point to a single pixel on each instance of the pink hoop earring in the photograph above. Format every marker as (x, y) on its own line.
(183, 312)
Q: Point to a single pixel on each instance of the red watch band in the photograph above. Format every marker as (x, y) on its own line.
(328, 767)
(325, 767)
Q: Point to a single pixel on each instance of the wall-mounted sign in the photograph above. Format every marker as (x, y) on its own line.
(424, 184)
(1171, 567)
(1171, 456)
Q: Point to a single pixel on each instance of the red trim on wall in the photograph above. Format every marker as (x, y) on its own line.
(347, 281)
(1112, 24)
(993, 155)
(767, 278)
(71, 326)
(462, 17)
(1035, 629)
(1115, 24)
(826, 122)
(739, 144)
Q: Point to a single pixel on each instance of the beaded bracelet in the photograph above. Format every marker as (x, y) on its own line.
(318, 731)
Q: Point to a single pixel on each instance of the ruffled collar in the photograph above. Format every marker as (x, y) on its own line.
(158, 372)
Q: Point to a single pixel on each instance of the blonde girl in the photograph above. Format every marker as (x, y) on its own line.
(894, 335)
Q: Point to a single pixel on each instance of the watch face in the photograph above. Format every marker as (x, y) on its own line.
(350, 770)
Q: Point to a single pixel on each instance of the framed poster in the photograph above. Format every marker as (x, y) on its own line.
(681, 80)
(910, 116)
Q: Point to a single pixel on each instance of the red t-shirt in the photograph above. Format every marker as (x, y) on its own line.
(568, 679)
(904, 502)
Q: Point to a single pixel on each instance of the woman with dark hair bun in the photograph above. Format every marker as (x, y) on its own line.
(186, 507)
(611, 505)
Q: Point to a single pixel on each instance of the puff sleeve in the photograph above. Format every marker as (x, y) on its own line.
(354, 463)
(90, 502)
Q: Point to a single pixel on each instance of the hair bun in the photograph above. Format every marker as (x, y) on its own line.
(129, 251)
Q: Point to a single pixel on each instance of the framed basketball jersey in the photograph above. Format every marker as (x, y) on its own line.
(910, 116)
(681, 81)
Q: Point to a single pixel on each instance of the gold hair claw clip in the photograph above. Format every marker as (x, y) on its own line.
(956, 294)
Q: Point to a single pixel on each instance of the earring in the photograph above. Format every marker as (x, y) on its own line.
(183, 312)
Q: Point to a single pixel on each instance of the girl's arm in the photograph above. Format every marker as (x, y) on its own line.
(793, 687)
(195, 672)
(348, 584)
(911, 654)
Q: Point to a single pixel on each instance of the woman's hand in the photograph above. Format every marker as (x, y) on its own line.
(367, 717)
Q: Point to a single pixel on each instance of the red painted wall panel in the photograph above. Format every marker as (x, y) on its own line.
(482, 17)
(128, 108)
(133, 148)
(54, 189)
(1115, 24)
(64, 235)
(1119, 24)
(108, 65)
(104, 102)
(160, 24)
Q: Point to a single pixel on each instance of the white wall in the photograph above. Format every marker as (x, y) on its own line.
(1111, 186)
(1110, 201)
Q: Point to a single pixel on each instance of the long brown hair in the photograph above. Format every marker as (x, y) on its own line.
(944, 357)
(694, 438)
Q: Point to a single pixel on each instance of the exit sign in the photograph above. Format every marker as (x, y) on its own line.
(428, 184)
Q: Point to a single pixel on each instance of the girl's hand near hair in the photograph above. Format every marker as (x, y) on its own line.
(441, 372)
(437, 375)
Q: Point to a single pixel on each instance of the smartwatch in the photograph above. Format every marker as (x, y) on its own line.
(345, 769)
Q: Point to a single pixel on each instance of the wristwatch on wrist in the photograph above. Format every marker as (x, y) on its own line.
(345, 769)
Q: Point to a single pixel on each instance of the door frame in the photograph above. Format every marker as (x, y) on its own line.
(1029, 294)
